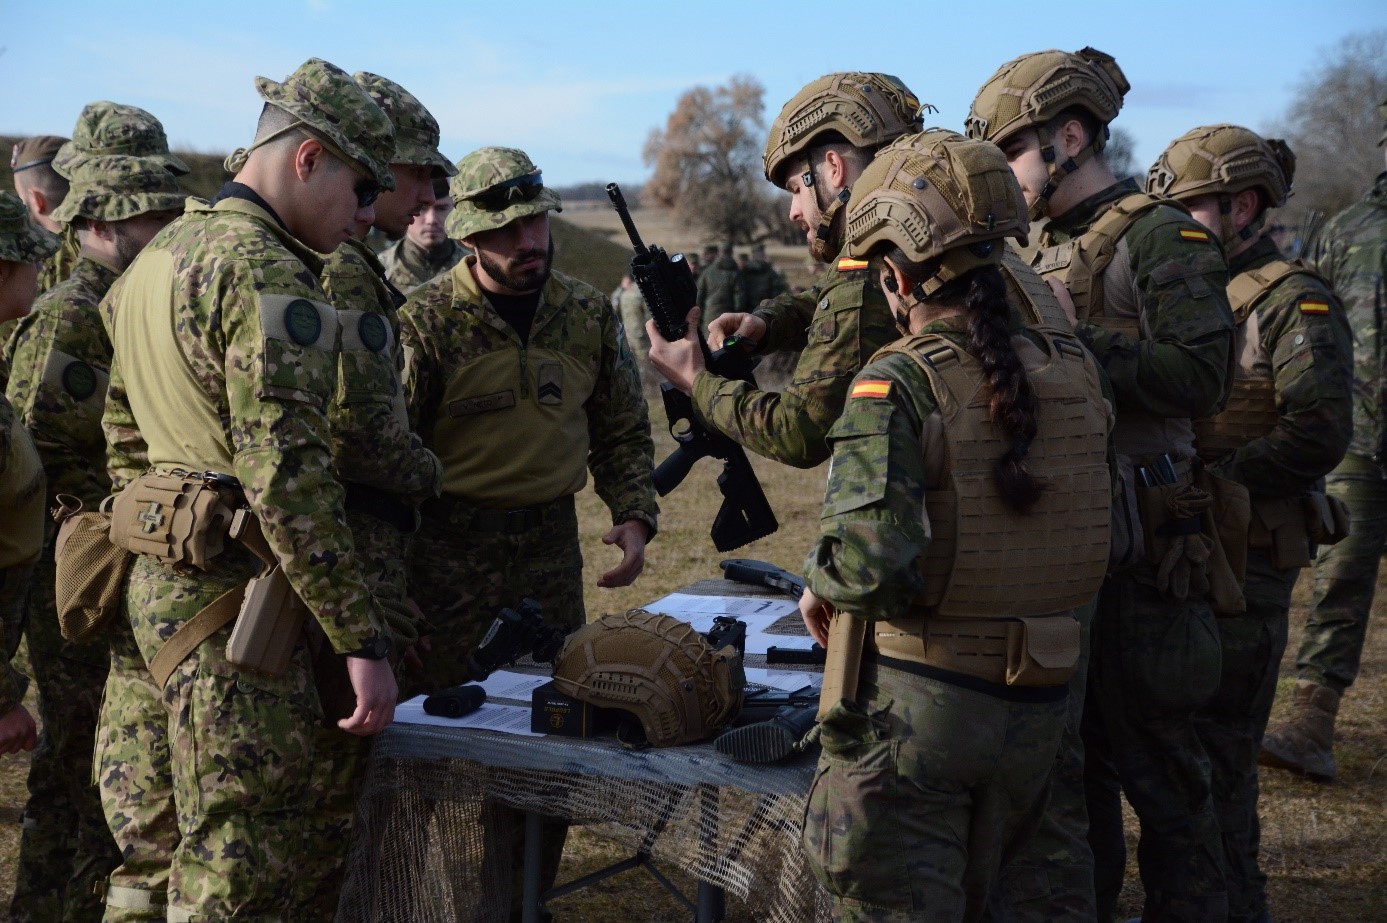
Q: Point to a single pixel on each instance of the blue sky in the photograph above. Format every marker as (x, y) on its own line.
(580, 84)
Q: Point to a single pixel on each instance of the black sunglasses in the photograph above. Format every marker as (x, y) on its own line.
(503, 195)
(367, 191)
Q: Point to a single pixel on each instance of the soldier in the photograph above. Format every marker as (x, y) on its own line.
(1288, 422)
(763, 281)
(721, 288)
(1351, 252)
(1146, 284)
(426, 249)
(59, 357)
(631, 309)
(935, 766)
(24, 245)
(224, 364)
(43, 189)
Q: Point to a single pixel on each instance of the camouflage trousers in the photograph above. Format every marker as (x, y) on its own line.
(1231, 725)
(1345, 578)
(207, 783)
(1154, 663)
(924, 789)
(461, 577)
(65, 849)
(1051, 877)
(13, 581)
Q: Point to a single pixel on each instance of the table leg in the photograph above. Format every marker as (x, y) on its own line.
(534, 838)
(712, 902)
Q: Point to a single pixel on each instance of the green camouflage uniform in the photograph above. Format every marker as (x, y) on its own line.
(60, 265)
(504, 418)
(408, 266)
(933, 778)
(633, 313)
(1153, 660)
(762, 282)
(206, 783)
(119, 167)
(721, 289)
(1307, 354)
(1351, 252)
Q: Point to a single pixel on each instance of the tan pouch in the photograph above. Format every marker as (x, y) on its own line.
(175, 518)
(268, 626)
(843, 661)
(89, 589)
(1157, 522)
(1326, 518)
(1226, 526)
(1280, 525)
(1042, 651)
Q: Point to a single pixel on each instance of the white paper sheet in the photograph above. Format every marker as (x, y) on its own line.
(785, 680)
(685, 606)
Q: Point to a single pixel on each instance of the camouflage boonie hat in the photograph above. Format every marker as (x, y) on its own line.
(493, 187)
(331, 106)
(1222, 160)
(21, 240)
(28, 153)
(416, 130)
(116, 188)
(1034, 88)
(937, 194)
(106, 129)
(865, 108)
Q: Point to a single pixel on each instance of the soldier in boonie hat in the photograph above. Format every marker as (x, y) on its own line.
(118, 188)
(416, 130)
(107, 129)
(493, 187)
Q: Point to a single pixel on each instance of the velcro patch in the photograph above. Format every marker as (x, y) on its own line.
(1194, 234)
(365, 330)
(871, 388)
(1314, 307)
(302, 321)
(846, 264)
(550, 383)
(78, 379)
(469, 405)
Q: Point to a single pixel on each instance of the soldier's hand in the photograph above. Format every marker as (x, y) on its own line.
(679, 361)
(630, 537)
(374, 684)
(746, 326)
(17, 730)
(816, 614)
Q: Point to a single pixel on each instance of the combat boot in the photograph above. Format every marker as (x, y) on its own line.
(1304, 742)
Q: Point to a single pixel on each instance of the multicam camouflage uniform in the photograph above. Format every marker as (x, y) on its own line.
(59, 357)
(206, 782)
(1162, 332)
(408, 266)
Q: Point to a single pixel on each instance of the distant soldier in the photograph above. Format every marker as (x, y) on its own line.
(763, 281)
(59, 357)
(1351, 252)
(630, 306)
(1288, 423)
(426, 249)
(43, 189)
(721, 288)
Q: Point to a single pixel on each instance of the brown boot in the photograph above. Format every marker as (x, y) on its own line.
(1304, 741)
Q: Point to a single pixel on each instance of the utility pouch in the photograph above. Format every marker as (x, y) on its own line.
(177, 518)
(1168, 510)
(846, 639)
(1128, 541)
(1227, 528)
(1326, 518)
(1279, 524)
(1042, 651)
(268, 626)
(90, 570)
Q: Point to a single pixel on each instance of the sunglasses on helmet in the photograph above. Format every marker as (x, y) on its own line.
(503, 195)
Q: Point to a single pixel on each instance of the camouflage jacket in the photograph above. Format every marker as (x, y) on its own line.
(631, 310)
(1169, 275)
(1301, 339)
(59, 358)
(225, 359)
(372, 441)
(762, 282)
(721, 289)
(59, 266)
(409, 266)
(514, 424)
(839, 324)
(1351, 252)
(22, 505)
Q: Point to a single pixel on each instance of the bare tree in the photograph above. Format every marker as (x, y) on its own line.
(1333, 125)
(707, 161)
(1120, 155)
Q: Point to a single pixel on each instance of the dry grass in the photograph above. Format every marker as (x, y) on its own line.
(1324, 846)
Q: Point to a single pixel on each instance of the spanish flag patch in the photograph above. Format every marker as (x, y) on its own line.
(1314, 307)
(846, 264)
(871, 389)
(1192, 234)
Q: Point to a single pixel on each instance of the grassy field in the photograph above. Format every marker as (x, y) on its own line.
(1324, 846)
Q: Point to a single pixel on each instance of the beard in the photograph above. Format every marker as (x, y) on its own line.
(521, 281)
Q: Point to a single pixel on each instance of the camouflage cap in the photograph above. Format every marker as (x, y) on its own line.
(935, 195)
(1034, 88)
(106, 129)
(21, 240)
(867, 109)
(331, 105)
(1223, 159)
(416, 130)
(28, 153)
(114, 188)
(493, 187)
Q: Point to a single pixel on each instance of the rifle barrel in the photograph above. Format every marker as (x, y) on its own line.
(624, 213)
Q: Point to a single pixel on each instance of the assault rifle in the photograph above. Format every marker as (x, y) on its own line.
(668, 288)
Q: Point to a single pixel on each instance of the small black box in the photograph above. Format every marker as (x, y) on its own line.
(553, 712)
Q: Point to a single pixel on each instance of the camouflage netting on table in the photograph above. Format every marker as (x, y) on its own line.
(426, 813)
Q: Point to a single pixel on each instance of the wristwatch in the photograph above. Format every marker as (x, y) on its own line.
(377, 647)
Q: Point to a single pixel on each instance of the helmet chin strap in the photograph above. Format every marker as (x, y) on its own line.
(1040, 208)
(1232, 238)
(826, 245)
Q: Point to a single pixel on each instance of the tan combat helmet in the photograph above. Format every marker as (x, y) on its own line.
(867, 110)
(1223, 160)
(937, 195)
(1029, 91)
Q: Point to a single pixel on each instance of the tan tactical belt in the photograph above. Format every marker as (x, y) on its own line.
(1008, 652)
